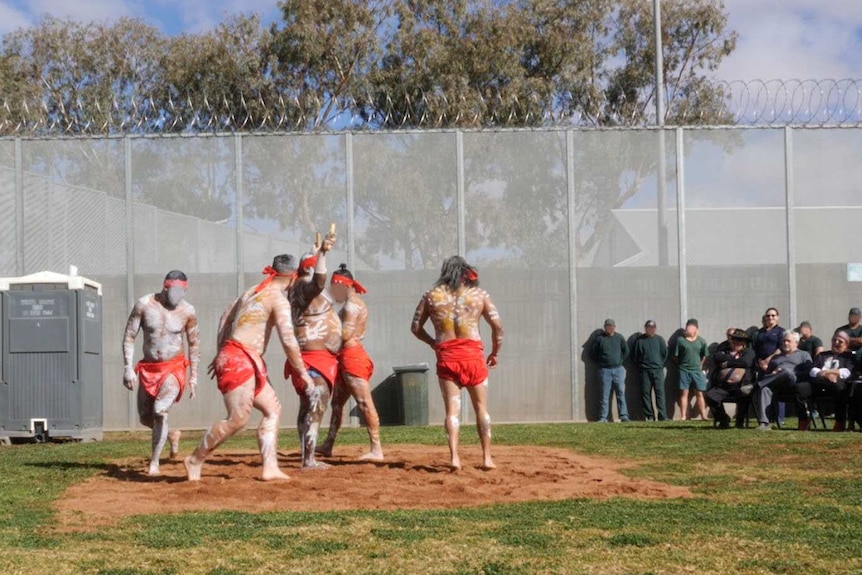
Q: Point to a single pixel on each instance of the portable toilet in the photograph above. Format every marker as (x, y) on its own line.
(51, 370)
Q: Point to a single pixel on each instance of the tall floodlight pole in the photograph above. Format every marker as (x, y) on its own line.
(659, 119)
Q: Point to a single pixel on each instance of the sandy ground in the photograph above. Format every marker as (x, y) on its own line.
(413, 477)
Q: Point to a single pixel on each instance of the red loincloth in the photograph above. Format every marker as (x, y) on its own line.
(235, 364)
(320, 360)
(462, 361)
(355, 361)
(152, 375)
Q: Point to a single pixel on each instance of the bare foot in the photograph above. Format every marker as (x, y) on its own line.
(193, 470)
(488, 465)
(153, 471)
(325, 449)
(275, 475)
(455, 465)
(174, 438)
(315, 466)
(374, 456)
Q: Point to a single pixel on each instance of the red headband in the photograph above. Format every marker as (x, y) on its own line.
(271, 274)
(346, 281)
(470, 275)
(307, 262)
(176, 283)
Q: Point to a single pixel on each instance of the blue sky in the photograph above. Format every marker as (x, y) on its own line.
(778, 38)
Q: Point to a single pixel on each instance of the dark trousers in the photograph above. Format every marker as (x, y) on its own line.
(717, 395)
(653, 379)
(838, 392)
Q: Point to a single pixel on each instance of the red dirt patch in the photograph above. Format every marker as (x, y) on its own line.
(413, 477)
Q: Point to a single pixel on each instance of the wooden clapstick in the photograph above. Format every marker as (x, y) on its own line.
(332, 229)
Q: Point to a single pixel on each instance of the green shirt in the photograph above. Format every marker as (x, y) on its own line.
(650, 352)
(851, 331)
(690, 353)
(811, 344)
(610, 350)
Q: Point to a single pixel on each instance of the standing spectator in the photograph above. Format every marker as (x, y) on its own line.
(650, 354)
(767, 344)
(828, 377)
(768, 339)
(808, 341)
(610, 350)
(780, 377)
(689, 355)
(853, 328)
(733, 361)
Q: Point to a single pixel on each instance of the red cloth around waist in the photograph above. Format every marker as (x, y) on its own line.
(320, 360)
(462, 361)
(355, 361)
(152, 375)
(235, 364)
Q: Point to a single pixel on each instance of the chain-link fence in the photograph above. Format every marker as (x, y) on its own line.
(567, 227)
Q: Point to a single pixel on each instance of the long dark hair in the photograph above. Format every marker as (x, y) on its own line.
(456, 271)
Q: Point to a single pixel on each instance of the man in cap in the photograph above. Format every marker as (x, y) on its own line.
(610, 350)
(829, 377)
(649, 353)
(780, 377)
(853, 328)
(243, 334)
(164, 317)
(808, 341)
(689, 355)
(733, 361)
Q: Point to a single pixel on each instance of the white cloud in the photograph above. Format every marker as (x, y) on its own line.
(12, 18)
(794, 39)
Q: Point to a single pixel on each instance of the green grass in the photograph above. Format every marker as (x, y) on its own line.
(783, 502)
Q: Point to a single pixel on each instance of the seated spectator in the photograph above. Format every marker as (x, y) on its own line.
(853, 328)
(780, 377)
(808, 341)
(828, 377)
(733, 361)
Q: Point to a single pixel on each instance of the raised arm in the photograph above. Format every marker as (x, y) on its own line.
(284, 326)
(193, 339)
(419, 319)
(492, 316)
(133, 326)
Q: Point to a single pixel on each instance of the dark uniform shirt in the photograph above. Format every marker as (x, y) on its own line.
(610, 350)
(650, 352)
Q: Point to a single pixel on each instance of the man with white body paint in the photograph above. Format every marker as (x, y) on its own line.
(243, 335)
(354, 365)
(454, 306)
(161, 374)
(318, 330)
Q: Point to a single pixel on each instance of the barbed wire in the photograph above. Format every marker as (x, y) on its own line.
(772, 103)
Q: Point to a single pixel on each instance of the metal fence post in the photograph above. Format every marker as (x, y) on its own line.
(573, 273)
(462, 240)
(680, 223)
(240, 243)
(789, 190)
(351, 245)
(19, 208)
(130, 252)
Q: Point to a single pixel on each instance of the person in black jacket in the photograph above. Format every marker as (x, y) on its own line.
(829, 377)
(731, 378)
